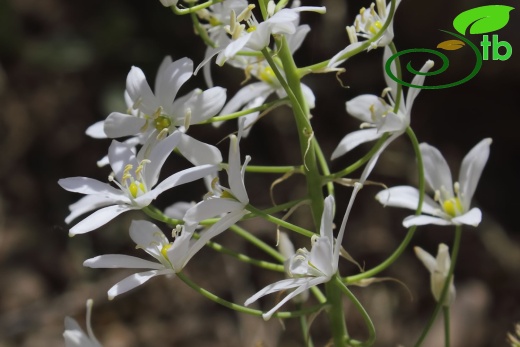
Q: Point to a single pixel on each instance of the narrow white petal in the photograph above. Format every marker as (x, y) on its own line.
(278, 286)
(336, 59)
(244, 96)
(423, 220)
(181, 177)
(170, 78)
(160, 152)
(473, 217)
(390, 82)
(96, 130)
(372, 161)
(178, 209)
(85, 185)
(120, 155)
(236, 181)
(417, 80)
(308, 94)
(115, 261)
(207, 104)
(197, 152)
(341, 232)
(135, 280)
(407, 197)
(98, 218)
(471, 170)
(426, 258)
(86, 204)
(354, 139)
(321, 256)
(222, 225)
(122, 124)
(140, 92)
(327, 218)
(211, 208)
(436, 169)
(360, 107)
(149, 237)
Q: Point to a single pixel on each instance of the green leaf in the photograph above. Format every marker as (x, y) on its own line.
(483, 19)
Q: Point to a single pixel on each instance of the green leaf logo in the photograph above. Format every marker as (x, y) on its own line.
(483, 19)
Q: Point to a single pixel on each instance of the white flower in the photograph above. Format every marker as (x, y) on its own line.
(151, 113)
(257, 35)
(439, 268)
(379, 118)
(134, 175)
(368, 23)
(308, 269)
(255, 94)
(452, 201)
(230, 201)
(169, 3)
(75, 336)
(171, 257)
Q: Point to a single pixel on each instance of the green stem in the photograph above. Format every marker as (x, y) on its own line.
(446, 311)
(193, 9)
(280, 222)
(336, 314)
(409, 235)
(445, 289)
(305, 330)
(238, 114)
(270, 169)
(258, 243)
(322, 161)
(241, 308)
(362, 311)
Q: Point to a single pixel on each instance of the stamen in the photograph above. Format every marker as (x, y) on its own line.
(351, 32)
(381, 8)
(187, 118)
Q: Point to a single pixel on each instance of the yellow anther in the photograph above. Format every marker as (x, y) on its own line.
(245, 14)
(251, 29)
(267, 75)
(133, 189)
(161, 123)
(227, 195)
(453, 207)
(362, 11)
(214, 22)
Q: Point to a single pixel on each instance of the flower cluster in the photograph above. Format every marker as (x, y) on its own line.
(261, 40)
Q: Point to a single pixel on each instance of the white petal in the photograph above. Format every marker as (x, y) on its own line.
(390, 82)
(354, 139)
(295, 40)
(178, 209)
(278, 286)
(197, 152)
(85, 185)
(222, 225)
(417, 80)
(140, 92)
(309, 96)
(122, 124)
(423, 220)
(360, 107)
(135, 280)
(211, 208)
(436, 169)
(392, 123)
(120, 155)
(471, 170)
(327, 218)
(232, 49)
(86, 204)
(341, 232)
(116, 261)
(244, 96)
(170, 78)
(181, 177)
(98, 218)
(472, 217)
(336, 59)
(406, 197)
(321, 256)
(426, 258)
(206, 104)
(158, 156)
(149, 237)
(96, 130)
(373, 160)
(235, 177)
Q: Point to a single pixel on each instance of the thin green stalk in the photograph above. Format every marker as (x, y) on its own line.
(258, 243)
(269, 169)
(193, 9)
(322, 161)
(446, 311)
(445, 289)
(359, 163)
(280, 222)
(241, 308)
(305, 330)
(409, 235)
(241, 113)
(336, 314)
(370, 326)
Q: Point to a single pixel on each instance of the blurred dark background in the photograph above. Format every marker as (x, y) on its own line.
(63, 67)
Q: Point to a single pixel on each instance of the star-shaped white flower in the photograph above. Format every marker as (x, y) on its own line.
(254, 94)
(451, 204)
(230, 203)
(439, 268)
(308, 269)
(171, 257)
(150, 113)
(368, 23)
(135, 177)
(378, 118)
(75, 336)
